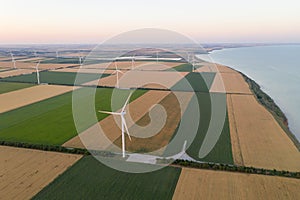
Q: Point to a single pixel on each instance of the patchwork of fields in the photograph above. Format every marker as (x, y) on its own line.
(42, 114)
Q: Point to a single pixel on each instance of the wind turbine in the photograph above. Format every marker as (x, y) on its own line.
(157, 56)
(57, 55)
(193, 63)
(80, 60)
(37, 72)
(124, 127)
(132, 62)
(13, 60)
(117, 71)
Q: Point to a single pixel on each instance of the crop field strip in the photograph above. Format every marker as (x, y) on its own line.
(209, 184)
(51, 77)
(264, 144)
(50, 121)
(24, 172)
(9, 87)
(144, 144)
(27, 65)
(97, 181)
(12, 100)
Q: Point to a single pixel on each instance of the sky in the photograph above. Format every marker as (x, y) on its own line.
(94, 21)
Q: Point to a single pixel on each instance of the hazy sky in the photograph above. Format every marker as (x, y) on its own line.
(92, 21)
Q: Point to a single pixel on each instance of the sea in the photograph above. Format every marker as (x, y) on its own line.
(275, 68)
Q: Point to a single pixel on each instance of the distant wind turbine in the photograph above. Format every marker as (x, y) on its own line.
(117, 71)
(124, 127)
(132, 62)
(80, 61)
(157, 56)
(57, 55)
(13, 60)
(37, 73)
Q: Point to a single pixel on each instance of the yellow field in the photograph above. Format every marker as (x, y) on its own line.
(27, 65)
(24, 172)
(16, 72)
(23, 97)
(262, 142)
(208, 184)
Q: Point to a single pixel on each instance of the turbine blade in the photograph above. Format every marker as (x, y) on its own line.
(120, 71)
(111, 113)
(126, 102)
(126, 128)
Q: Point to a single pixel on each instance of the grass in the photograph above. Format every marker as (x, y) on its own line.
(221, 153)
(8, 87)
(88, 178)
(60, 78)
(61, 61)
(198, 82)
(51, 121)
(186, 67)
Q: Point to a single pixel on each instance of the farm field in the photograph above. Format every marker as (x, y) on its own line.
(144, 79)
(24, 172)
(198, 184)
(12, 100)
(51, 121)
(262, 142)
(137, 109)
(198, 82)
(61, 78)
(15, 72)
(8, 87)
(145, 143)
(98, 181)
(140, 65)
(27, 65)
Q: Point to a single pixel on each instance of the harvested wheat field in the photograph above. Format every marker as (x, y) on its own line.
(137, 109)
(206, 184)
(15, 72)
(26, 65)
(142, 79)
(84, 70)
(20, 98)
(140, 65)
(262, 142)
(25, 172)
(235, 83)
(153, 134)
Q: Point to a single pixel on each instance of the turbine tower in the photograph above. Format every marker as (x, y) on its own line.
(157, 56)
(117, 71)
(80, 61)
(57, 55)
(13, 60)
(37, 73)
(124, 127)
(132, 62)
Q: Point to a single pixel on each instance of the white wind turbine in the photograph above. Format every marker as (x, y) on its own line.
(57, 55)
(117, 71)
(124, 127)
(37, 73)
(193, 63)
(13, 60)
(132, 62)
(157, 56)
(80, 61)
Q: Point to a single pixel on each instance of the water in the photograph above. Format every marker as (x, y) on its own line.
(276, 69)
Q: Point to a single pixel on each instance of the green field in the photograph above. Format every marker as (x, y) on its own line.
(187, 67)
(61, 61)
(221, 153)
(8, 87)
(51, 121)
(199, 82)
(60, 78)
(89, 178)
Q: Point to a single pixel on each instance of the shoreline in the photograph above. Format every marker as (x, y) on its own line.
(265, 100)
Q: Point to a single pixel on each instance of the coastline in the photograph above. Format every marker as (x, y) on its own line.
(265, 100)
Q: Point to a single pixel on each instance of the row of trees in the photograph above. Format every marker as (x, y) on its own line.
(45, 147)
(234, 168)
